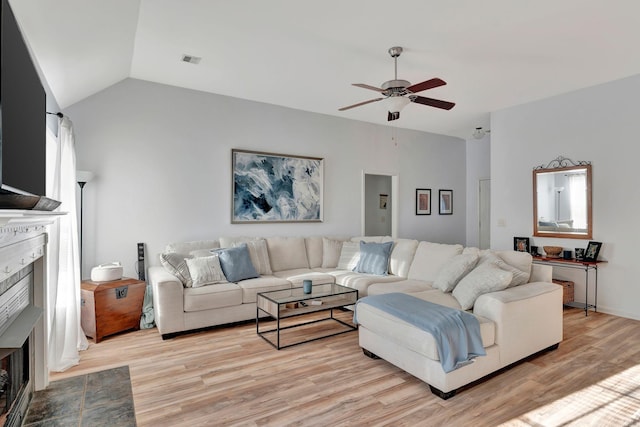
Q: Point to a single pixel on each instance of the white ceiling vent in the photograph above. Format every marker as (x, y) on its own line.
(191, 59)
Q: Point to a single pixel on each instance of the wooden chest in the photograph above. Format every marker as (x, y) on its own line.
(111, 307)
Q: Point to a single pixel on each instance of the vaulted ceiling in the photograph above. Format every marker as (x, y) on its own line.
(493, 54)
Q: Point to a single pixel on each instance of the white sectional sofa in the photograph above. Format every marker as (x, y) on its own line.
(515, 322)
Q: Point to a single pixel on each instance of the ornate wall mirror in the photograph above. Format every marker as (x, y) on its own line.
(562, 199)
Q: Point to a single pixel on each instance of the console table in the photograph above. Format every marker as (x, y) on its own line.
(587, 266)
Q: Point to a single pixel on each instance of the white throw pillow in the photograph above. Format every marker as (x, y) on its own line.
(522, 261)
(331, 250)
(519, 277)
(454, 270)
(259, 255)
(349, 256)
(483, 279)
(205, 271)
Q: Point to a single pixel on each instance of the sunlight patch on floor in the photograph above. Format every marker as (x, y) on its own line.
(614, 401)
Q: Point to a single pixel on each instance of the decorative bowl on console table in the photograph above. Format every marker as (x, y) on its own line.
(552, 251)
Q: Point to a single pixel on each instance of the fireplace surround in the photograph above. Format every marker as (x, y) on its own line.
(23, 296)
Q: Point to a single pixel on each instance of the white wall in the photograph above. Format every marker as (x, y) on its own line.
(162, 159)
(597, 124)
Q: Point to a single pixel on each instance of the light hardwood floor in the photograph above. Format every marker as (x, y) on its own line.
(230, 376)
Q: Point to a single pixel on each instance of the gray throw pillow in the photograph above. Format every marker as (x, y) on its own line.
(176, 264)
(236, 263)
(374, 258)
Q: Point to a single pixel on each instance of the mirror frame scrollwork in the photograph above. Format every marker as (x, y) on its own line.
(558, 165)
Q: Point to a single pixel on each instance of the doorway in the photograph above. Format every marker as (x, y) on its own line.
(484, 213)
(379, 210)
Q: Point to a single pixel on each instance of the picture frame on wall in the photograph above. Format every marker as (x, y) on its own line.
(270, 187)
(423, 201)
(592, 251)
(446, 202)
(521, 244)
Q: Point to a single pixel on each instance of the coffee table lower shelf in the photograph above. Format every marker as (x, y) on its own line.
(279, 328)
(285, 306)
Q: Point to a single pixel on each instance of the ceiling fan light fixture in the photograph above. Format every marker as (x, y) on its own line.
(395, 104)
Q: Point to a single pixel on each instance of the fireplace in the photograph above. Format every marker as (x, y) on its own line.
(14, 386)
(23, 367)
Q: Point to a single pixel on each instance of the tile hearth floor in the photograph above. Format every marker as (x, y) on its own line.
(98, 399)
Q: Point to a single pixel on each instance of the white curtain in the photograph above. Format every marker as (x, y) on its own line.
(577, 190)
(66, 337)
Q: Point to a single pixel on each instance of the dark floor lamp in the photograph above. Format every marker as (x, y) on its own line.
(82, 177)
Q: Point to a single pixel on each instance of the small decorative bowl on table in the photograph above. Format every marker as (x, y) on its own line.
(552, 251)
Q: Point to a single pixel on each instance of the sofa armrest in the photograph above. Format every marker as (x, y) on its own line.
(168, 300)
(528, 318)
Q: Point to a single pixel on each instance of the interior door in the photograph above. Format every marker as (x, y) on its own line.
(484, 213)
(378, 205)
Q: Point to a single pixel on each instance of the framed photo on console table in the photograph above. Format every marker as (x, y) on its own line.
(269, 187)
(423, 201)
(521, 244)
(592, 251)
(446, 202)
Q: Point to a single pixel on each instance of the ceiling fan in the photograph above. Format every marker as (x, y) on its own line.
(401, 92)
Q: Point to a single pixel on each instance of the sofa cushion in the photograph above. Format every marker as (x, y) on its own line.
(436, 296)
(205, 271)
(483, 279)
(374, 258)
(258, 254)
(430, 258)
(251, 287)
(209, 297)
(187, 247)
(408, 286)
(454, 270)
(403, 334)
(175, 264)
(349, 256)
(401, 256)
(331, 250)
(231, 241)
(361, 281)
(236, 263)
(299, 274)
(287, 253)
(313, 245)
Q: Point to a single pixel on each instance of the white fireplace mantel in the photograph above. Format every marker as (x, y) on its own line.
(23, 240)
(26, 217)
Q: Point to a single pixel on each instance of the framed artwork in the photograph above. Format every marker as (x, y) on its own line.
(446, 202)
(269, 187)
(521, 244)
(592, 251)
(384, 198)
(423, 201)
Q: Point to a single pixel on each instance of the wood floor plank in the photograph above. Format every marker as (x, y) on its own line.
(230, 376)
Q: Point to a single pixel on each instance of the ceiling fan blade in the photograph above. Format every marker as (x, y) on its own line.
(428, 84)
(359, 104)
(445, 105)
(365, 86)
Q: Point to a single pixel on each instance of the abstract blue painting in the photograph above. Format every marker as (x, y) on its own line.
(271, 187)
